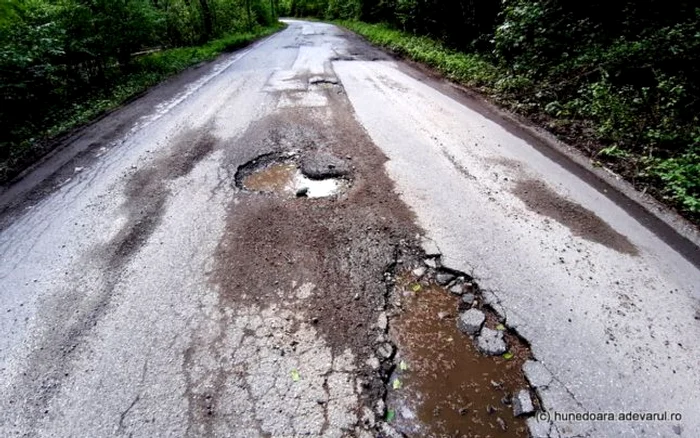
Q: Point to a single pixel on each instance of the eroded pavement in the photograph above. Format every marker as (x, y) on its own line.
(284, 243)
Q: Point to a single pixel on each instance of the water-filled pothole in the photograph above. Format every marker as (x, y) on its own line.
(283, 176)
(442, 385)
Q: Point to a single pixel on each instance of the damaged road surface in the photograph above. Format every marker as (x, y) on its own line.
(309, 238)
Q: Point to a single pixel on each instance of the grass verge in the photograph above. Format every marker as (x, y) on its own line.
(146, 71)
(596, 120)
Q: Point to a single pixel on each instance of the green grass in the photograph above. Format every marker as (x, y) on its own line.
(469, 69)
(669, 172)
(147, 71)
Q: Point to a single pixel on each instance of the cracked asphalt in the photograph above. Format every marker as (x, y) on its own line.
(144, 293)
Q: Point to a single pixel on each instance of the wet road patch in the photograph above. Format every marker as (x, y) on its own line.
(446, 381)
(318, 176)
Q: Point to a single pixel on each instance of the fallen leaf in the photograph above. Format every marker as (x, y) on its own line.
(295, 375)
(403, 366)
(390, 415)
(501, 327)
(508, 355)
(416, 287)
(397, 384)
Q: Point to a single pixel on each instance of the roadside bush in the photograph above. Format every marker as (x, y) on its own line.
(62, 62)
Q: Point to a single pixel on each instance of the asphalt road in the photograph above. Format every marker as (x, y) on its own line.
(145, 292)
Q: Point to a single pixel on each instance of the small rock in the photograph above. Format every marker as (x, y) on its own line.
(419, 272)
(380, 408)
(443, 278)
(385, 350)
(383, 322)
(491, 342)
(468, 299)
(491, 299)
(429, 247)
(431, 263)
(443, 315)
(470, 322)
(373, 363)
(322, 80)
(457, 289)
(303, 192)
(522, 403)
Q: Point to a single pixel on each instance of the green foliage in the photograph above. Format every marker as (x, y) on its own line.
(63, 62)
(471, 69)
(625, 75)
(680, 177)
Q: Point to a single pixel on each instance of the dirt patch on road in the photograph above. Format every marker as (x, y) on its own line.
(343, 245)
(332, 263)
(581, 221)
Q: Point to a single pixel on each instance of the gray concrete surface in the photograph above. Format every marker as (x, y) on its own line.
(117, 319)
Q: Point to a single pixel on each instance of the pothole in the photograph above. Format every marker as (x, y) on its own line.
(323, 81)
(317, 176)
(447, 381)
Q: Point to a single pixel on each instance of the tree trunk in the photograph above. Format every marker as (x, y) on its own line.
(207, 19)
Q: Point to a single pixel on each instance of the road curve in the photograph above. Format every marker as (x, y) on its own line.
(145, 292)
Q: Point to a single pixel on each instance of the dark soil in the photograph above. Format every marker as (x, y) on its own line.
(581, 221)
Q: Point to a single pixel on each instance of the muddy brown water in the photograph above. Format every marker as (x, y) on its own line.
(447, 387)
(275, 178)
(287, 179)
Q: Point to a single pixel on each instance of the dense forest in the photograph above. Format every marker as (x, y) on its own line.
(63, 62)
(620, 79)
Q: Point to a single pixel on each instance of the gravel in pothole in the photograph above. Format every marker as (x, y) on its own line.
(442, 384)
